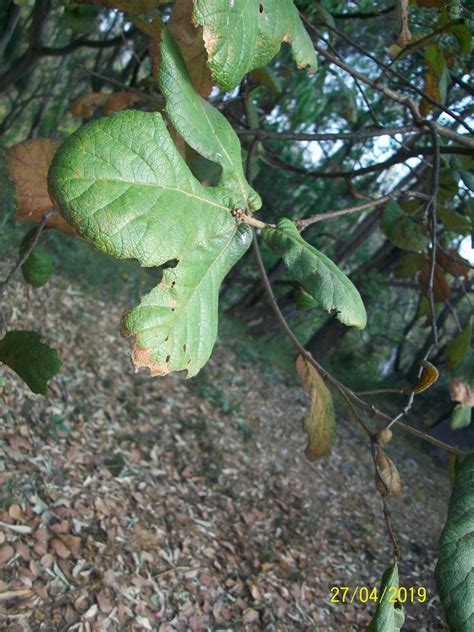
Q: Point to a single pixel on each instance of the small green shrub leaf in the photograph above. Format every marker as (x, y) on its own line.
(461, 417)
(34, 361)
(389, 616)
(317, 274)
(454, 571)
(265, 23)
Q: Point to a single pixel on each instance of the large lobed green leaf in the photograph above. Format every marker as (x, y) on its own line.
(122, 183)
(317, 274)
(241, 35)
(34, 361)
(389, 616)
(455, 568)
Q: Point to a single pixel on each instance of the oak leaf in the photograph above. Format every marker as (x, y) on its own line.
(242, 35)
(121, 181)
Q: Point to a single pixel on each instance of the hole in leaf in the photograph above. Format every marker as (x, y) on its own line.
(184, 348)
(167, 338)
(172, 309)
(260, 8)
(173, 283)
(168, 358)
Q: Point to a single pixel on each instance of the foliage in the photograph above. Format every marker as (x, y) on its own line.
(192, 107)
(456, 551)
(320, 425)
(317, 274)
(34, 361)
(389, 616)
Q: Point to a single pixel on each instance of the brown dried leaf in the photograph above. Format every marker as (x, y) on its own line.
(320, 425)
(461, 392)
(60, 548)
(28, 163)
(15, 512)
(191, 43)
(387, 478)
(120, 101)
(441, 290)
(86, 105)
(73, 542)
(6, 552)
(452, 263)
(429, 376)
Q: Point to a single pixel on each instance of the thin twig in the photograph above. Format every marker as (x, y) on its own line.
(395, 73)
(303, 223)
(402, 99)
(431, 212)
(331, 137)
(157, 100)
(391, 533)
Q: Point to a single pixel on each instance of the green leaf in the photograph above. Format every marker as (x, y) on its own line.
(39, 266)
(402, 230)
(454, 570)
(463, 36)
(34, 361)
(448, 184)
(409, 265)
(204, 128)
(80, 18)
(122, 183)
(389, 616)
(461, 417)
(317, 274)
(457, 348)
(243, 35)
(454, 221)
(320, 425)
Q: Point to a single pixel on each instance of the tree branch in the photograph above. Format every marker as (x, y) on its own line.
(367, 408)
(334, 137)
(402, 99)
(304, 223)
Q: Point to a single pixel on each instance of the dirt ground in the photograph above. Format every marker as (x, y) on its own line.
(131, 503)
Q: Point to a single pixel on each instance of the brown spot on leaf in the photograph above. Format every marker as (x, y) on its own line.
(142, 358)
(210, 40)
